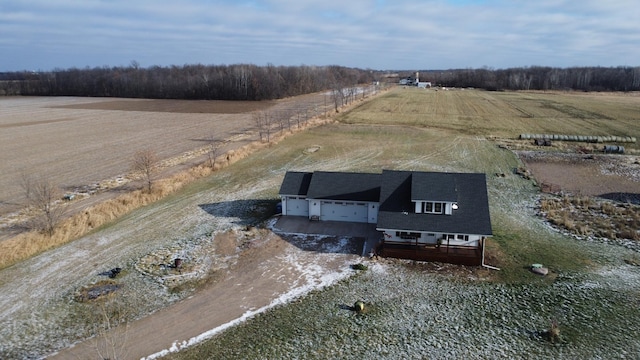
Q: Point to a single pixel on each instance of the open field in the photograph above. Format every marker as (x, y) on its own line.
(506, 114)
(416, 310)
(86, 145)
(75, 144)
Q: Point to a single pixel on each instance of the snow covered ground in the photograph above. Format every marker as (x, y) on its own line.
(415, 312)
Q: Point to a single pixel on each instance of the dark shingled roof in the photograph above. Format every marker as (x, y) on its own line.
(295, 183)
(395, 190)
(433, 186)
(397, 211)
(344, 186)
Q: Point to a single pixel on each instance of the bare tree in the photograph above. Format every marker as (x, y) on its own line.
(264, 122)
(145, 162)
(283, 118)
(42, 195)
(258, 121)
(338, 94)
(213, 148)
(110, 322)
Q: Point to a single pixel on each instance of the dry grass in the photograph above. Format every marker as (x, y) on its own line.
(504, 114)
(590, 216)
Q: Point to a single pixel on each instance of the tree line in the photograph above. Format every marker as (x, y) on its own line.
(622, 78)
(195, 82)
(252, 82)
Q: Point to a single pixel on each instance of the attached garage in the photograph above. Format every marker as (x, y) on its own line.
(343, 211)
(295, 206)
(329, 196)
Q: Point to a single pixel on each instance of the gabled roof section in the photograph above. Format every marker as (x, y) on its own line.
(395, 191)
(295, 183)
(397, 210)
(433, 186)
(345, 186)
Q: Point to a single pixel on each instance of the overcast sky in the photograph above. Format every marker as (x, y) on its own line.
(375, 34)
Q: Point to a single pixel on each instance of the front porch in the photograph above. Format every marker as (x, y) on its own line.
(460, 255)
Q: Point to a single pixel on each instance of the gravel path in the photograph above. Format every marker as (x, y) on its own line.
(266, 275)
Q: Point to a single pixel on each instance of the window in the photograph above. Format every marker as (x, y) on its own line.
(463, 237)
(407, 235)
(433, 207)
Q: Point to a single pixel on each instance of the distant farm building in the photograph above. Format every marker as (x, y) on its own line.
(408, 81)
(415, 81)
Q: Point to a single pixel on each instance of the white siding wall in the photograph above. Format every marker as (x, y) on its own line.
(373, 213)
(427, 238)
(447, 208)
(314, 208)
(473, 241)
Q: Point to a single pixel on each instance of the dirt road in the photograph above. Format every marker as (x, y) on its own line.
(268, 274)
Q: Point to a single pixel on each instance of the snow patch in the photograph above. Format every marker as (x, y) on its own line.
(314, 276)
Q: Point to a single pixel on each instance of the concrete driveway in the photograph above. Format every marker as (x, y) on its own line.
(302, 225)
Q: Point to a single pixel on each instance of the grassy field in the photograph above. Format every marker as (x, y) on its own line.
(505, 114)
(414, 310)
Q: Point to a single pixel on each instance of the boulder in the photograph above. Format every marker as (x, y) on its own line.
(539, 269)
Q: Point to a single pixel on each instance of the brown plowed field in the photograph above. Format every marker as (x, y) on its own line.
(80, 142)
(605, 176)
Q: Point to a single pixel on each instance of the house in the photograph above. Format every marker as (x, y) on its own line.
(430, 216)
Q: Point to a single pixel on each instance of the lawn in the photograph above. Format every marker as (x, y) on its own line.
(420, 310)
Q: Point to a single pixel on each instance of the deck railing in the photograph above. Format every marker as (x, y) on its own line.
(451, 254)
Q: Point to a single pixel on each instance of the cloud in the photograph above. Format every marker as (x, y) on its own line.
(378, 34)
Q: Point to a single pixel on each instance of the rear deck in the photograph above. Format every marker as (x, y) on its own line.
(448, 254)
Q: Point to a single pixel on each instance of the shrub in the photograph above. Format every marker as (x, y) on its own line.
(609, 209)
(583, 229)
(554, 332)
(359, 266)
(628, 234)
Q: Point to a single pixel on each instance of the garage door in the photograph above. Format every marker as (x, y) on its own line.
(343, 211)
(297, 207)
